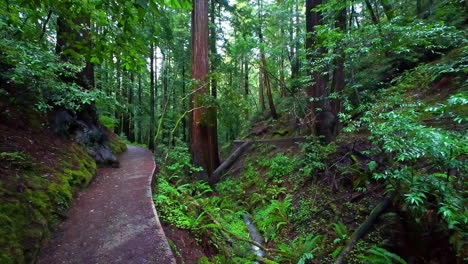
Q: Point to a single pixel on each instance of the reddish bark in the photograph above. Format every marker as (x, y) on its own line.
(203, 134)
(322, 120)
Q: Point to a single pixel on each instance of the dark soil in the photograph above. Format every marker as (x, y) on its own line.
(184, 246)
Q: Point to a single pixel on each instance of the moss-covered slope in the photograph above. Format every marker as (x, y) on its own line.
(39, 173)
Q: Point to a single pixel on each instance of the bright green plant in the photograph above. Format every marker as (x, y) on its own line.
(19, 159)
(314, 156)
(300, 250)
(272, 217)
(279, 166)
(341, 232)
(377, 255)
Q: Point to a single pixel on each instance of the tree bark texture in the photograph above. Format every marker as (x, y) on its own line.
(322, 119)
(203, 134)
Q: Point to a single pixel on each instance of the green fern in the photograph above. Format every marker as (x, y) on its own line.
(377, 255)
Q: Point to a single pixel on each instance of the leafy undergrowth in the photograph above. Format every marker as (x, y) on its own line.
(39, 173)
(308, 200)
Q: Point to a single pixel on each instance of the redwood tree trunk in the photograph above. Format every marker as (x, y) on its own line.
(203, 134)
(338, 79)
(322, 119)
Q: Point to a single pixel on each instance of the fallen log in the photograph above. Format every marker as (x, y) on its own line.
(230, 161)
(365, 227)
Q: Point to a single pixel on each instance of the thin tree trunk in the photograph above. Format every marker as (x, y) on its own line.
(355, 16)
(131, 109)
(266, 77)
(125, 99)
(260, 90)
(374, 17)
(140, 112)
(282, 82)
(152, 98)
(246, 76)
(241, 76)
(338, 78)
(184, 120)
(203, 134)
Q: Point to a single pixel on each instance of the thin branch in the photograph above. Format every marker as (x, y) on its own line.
(44, 26)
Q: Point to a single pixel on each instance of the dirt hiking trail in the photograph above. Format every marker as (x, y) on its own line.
(113, 220)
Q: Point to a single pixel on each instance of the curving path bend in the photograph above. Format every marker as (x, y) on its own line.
(113, 220)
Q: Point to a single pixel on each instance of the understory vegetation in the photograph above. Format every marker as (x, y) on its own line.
(308, 198)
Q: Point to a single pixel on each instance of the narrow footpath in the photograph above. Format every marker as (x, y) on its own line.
(113, 220)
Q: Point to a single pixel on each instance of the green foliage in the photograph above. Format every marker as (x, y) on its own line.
(301, 249)
(315, 155)
(38, 73)
(377, 255)
(108, 122)
(17, 159)
(279, 166)
(272, 217)
(421, 156)
(178, 162)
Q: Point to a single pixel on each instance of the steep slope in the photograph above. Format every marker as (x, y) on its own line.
(40, 172)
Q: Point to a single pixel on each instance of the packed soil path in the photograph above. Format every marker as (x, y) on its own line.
(113, 220)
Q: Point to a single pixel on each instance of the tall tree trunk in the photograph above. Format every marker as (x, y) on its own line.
(282, 78)
(260, 90)
(246, 76)
(374, 17)
(214, 86)
(388, 9)
(213, 51)
(266, 77)
(78, 40)
(165, 103)
(152, 98)
(131, 109)
(140, 112)
(184, 120)
(338, 78)
(241, 76)
(322, 119)
(118, 112)
(164, 79)
(125, 99)
(203, 134)
(295, 64)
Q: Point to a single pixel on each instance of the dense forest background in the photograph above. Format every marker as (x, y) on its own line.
(375, 89)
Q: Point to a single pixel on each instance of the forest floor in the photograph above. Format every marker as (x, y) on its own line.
(113, 221)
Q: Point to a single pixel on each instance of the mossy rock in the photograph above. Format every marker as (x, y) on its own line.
(27, 217)
(116, 145)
